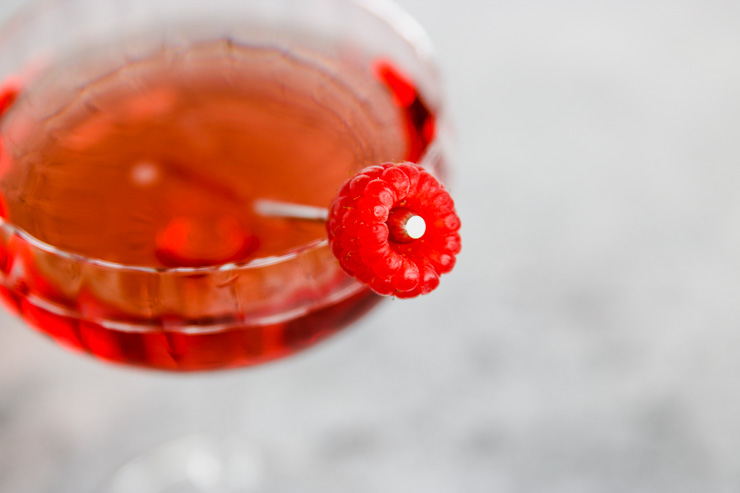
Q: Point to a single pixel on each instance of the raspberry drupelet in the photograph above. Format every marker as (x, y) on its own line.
(394, 227)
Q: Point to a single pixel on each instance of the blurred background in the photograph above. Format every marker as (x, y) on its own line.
(588, 339)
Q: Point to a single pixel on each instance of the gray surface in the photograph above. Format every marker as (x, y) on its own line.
(588, 340)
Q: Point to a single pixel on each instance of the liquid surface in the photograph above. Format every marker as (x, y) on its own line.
(159, 162)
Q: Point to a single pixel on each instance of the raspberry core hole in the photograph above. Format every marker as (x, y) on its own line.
(405, 225)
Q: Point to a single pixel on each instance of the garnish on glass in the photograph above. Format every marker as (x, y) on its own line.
(391, 226)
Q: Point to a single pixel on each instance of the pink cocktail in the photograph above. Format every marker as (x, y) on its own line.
(132, 169)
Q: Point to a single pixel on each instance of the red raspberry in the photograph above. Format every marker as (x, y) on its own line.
(419, 118)
(8, 94)
(375, 231)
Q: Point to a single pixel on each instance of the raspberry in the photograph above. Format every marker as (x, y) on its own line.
(8, 94)
(199, 241)
(394, 227)
(419, 118)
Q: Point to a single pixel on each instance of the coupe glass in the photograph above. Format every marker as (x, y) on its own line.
(150, 248)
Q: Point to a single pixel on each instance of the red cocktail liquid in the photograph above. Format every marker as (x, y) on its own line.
(148, 176)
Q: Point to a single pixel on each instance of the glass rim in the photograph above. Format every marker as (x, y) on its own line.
(388, 11)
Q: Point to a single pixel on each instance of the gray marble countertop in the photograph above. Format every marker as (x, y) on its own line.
(588, 339)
